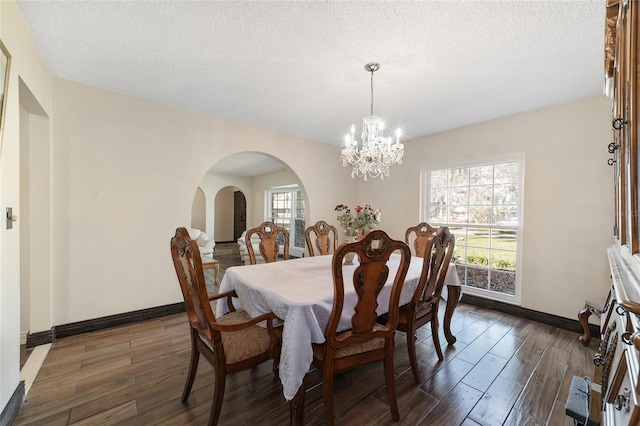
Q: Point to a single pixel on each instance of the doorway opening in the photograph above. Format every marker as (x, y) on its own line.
(239, 214)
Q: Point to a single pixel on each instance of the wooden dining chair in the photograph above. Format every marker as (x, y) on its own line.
(271, 236)
(423, 307)
(423, 232)
(366, 341)
(230, 343)
(326, 237)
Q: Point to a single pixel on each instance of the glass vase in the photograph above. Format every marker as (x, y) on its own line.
(348, 258)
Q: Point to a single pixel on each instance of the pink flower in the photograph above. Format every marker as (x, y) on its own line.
(364, 218)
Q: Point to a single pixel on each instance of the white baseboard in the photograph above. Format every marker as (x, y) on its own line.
(23, 338)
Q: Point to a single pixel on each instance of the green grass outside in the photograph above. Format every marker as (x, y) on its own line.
(503, 247)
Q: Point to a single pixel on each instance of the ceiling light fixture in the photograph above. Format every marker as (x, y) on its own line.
(377, 152)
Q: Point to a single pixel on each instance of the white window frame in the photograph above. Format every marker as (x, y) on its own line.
(425, 177)
(292, 189)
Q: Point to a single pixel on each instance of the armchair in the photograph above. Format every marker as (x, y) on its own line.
(205, 244)
(230, 343)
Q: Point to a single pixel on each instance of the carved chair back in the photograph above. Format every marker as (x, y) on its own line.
(434, 268)
(368, 279)
(271, 237)
(188, 265)
(423, 307)
(423, 233)
(326, 237)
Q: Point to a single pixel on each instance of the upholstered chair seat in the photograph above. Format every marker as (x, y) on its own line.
(246, 343)
(351, 349)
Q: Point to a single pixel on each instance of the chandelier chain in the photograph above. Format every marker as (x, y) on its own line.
(371, 92)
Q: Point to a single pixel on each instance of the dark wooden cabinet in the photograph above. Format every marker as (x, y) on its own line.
(618, 359)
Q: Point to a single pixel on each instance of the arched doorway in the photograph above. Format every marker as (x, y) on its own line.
(238, 191)
(228, 214)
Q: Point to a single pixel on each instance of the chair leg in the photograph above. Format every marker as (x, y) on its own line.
(411, 348)
(391, 383)
(328, 393)
(436, 336)
(452, 302)
(193, 367)
(276, 366)
(296, 406)
(218, 394)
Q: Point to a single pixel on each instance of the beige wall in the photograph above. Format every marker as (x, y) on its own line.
(567, 194)
(115, 165)
(126, 172)
(198, 210)
(29, 71)
(264, 182)
(223, 214)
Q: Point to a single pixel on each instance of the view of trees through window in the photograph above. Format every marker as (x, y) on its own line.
(480, 205)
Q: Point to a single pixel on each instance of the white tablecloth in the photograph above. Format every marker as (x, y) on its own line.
(300, 291)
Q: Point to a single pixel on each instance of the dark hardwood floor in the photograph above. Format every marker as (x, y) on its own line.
(227, 255)
(502, 370)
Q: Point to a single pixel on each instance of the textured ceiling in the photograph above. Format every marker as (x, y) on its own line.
(298, 67)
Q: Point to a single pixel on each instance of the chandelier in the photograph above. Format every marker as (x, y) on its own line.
(377, 152)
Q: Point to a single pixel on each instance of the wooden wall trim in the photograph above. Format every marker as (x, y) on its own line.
(66, 330)
(71, 329)
(40, 338)
(80, 327)
(517, 311)
(11, 410)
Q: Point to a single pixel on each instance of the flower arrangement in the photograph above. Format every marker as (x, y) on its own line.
(364, 218)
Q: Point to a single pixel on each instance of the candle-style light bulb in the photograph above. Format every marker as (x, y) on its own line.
(353, 136)
(398, 134)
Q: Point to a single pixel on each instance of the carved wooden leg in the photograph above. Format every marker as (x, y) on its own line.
(453, 296)
(436, 336)
(390, 381)
(216, 273)
(583, 317)
(296, 407)
(327, 387)
(193, 366)
(411, 348)
(218, 393)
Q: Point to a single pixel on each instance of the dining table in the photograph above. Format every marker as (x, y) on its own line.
(300, 291)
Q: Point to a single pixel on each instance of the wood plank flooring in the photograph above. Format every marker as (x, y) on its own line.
(502, 370)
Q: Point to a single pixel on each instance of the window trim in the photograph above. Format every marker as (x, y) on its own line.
(292, 188)
(425, 186)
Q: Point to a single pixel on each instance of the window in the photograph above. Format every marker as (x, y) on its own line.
(480, 202)
(286, 207)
